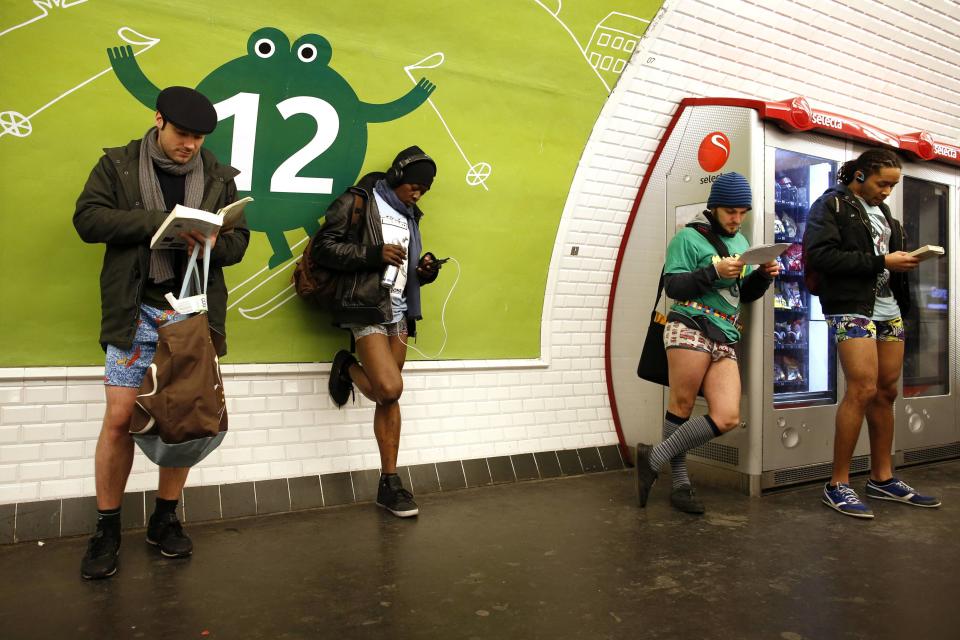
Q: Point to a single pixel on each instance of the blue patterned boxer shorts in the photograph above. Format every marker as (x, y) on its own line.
(126, 367)
(847, 327)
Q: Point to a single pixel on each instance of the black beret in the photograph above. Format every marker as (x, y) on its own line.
(188, 109)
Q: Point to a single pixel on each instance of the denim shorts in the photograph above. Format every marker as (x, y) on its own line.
(391, 329)
(847, 327)
(677, 335)
(126, 367)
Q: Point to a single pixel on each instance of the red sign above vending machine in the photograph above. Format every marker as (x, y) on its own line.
(795, 114)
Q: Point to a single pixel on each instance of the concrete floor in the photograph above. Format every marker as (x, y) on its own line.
(565, 558)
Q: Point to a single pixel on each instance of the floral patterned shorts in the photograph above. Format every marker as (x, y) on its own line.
(677, 335)
(847, 327)
(126, 367)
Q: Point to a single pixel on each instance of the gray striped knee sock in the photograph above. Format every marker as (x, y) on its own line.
(678, 463)
(691, 434)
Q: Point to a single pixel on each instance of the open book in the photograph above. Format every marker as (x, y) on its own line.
(763, 253)
(927, 251)
(184, 219)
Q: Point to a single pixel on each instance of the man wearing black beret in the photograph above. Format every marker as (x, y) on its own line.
(125, 200)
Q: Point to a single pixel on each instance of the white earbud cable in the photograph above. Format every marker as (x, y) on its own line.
(443, 319)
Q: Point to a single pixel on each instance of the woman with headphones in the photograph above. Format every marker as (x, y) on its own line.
(854, 249)
(367, 235)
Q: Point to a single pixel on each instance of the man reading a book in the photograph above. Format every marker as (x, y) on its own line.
(125, 200)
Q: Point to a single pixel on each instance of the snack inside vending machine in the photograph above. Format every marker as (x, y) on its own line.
(791, 379)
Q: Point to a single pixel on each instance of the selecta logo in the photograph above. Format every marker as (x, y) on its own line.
(713, 152)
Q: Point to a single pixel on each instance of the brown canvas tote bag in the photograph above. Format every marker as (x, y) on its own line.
(181, 413)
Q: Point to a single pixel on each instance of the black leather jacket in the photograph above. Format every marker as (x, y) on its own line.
(838, 244)
(353, 244)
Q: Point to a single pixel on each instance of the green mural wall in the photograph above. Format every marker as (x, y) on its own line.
(310, 96)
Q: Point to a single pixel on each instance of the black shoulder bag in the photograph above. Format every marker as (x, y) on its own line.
(653, 358)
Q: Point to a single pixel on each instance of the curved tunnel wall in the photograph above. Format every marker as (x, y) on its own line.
(282, 423)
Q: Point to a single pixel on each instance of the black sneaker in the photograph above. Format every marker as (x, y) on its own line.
(646, 476)
(100, 560)
(683, 498)
(394, 498)
(164, 531)
(340, 385)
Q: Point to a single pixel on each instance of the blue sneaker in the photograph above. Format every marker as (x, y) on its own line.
(899, 491)
(845, 500)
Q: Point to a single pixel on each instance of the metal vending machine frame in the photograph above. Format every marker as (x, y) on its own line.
(786, 434)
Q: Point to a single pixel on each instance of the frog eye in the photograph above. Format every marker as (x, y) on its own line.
(264, 47)
(307, 52)
(313, 49)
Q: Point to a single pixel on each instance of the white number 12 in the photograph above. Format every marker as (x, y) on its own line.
(244, 108)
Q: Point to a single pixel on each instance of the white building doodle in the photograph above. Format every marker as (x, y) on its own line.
(611, 44)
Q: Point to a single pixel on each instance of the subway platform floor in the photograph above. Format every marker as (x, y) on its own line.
(564, 558)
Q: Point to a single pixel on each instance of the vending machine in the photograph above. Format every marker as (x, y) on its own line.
(791, 380)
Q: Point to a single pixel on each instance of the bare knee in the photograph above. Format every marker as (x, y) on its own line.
(726, 421)
(886, 394)
(389, 391)
(681, 405)
(116, 420)
(862, 394)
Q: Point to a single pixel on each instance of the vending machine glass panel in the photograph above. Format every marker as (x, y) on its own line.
(804, 356)
(925, 362)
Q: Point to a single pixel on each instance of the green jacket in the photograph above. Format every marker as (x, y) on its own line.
(109, 210)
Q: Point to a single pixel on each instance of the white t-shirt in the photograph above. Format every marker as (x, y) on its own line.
(396, 230)
(886, 307)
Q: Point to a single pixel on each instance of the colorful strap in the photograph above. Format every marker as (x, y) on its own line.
(693, 304)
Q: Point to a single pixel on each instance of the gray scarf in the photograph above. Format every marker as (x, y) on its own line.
(161, 261)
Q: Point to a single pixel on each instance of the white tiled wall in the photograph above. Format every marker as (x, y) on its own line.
(891, 63)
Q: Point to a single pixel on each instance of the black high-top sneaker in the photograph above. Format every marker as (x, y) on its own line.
(394, 498)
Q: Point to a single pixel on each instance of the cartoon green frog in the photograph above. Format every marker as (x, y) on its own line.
(293, 126)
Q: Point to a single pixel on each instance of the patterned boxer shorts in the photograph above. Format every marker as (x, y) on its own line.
(677, 335)
(847, 327)
(126, 367)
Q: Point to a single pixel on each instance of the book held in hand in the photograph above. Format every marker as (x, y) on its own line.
(927, 251)
(184, 219)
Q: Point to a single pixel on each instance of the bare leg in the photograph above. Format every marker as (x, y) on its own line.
(114, 454)
(172, 480)
(379, 379)
(721, 389)
(687, 369)
(858, 357)
(880, 410)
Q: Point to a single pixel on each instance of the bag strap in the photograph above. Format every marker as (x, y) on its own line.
(193, 270)
(653, 314)
(708, 233)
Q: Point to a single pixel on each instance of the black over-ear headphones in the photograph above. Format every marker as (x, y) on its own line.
(395, 172)
(858, 176)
